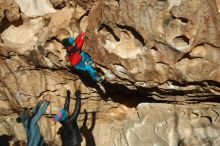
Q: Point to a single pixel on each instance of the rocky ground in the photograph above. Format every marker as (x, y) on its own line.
(160, 59)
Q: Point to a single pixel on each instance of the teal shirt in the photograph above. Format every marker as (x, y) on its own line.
(32, 129)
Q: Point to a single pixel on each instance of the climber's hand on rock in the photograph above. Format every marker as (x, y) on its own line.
(68, 93)
(78, 93)
(47, 97)
(67, 57)
(85, 38)
(68, 64)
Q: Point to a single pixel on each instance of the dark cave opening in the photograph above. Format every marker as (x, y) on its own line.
(119, 93)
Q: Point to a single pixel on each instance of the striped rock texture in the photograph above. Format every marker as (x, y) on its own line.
(160, 59)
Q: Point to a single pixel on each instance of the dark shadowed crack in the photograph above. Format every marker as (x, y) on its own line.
(168, 45)
(182, 19)
(119, 93)
(216, 114)
(45, 91)
(206, 43)
(5, 23)
(86, 14)
(134, 32)
(118, 1)
(124, 135)
(110, 30)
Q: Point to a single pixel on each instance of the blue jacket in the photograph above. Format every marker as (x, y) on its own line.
(32, 129)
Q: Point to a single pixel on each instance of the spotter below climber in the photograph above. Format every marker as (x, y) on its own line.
(30, 122)
(70, 132)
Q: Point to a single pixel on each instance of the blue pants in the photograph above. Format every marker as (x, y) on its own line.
(84, 67)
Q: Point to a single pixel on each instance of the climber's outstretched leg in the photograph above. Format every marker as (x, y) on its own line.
(84, 67)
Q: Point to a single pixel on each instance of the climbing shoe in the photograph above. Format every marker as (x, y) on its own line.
(90, 63)
(100, 79)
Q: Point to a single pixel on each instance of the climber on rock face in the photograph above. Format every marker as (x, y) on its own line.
(30, 119)
(70, 132)
(78, 59)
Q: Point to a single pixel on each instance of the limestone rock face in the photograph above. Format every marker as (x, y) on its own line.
(166, 41)
(35, 8)
(10, 10)
(160, 59)
(23, 37)
(173, 125)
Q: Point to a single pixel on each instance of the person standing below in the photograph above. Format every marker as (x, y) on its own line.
(30, 118)
(70, 132)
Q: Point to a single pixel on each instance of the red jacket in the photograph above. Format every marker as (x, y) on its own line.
(75, 57)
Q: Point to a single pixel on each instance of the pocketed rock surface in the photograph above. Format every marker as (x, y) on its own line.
(160, 59)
